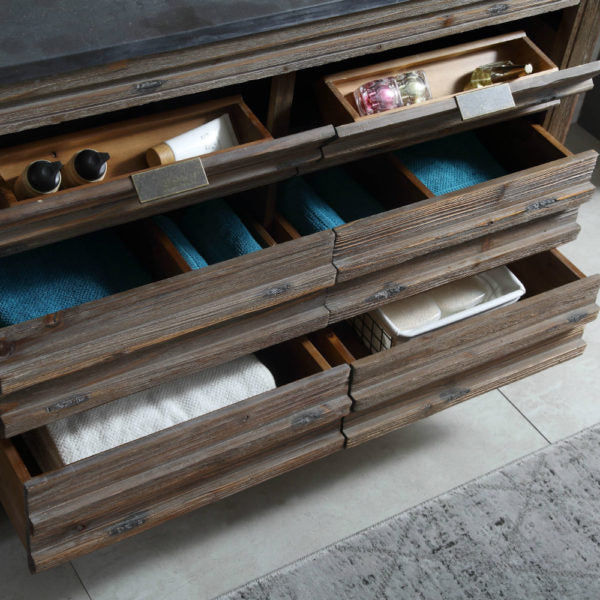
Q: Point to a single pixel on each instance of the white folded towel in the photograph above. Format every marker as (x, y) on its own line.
(149, 411)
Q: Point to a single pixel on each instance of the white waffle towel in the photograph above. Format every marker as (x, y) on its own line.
(149, 411)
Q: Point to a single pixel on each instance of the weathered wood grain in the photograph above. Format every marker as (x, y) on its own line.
(89, 208)
(570, 294)
(159, 470)
(129, 83)
(285, 459)
(581, 25)
(385, 239)
(362, 427)
(86, 335)
(13, 475)
(452, 360)
(130, 373)
(356, 296)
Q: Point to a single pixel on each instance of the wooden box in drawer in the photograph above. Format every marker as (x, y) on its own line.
(430, 372)
(70, 510)
(450, 108)
(257, 159)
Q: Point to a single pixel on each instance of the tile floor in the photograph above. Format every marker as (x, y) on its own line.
(217, 548)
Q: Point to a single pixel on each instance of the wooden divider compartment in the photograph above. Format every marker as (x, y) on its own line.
(447, 70)
(46, 218)
(69, 511)
(433, 371)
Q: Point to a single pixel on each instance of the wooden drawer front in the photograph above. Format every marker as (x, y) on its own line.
(356, 296)
(382, 241)
(120, 325)
(129, 373)
(102, 499)
(36, 221)
(433, 371)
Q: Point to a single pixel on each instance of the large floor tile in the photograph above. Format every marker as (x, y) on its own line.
(226, 544)
(17, 583)
(565, 399)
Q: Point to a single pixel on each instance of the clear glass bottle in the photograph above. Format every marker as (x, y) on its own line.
(392, 92)
(497, 72)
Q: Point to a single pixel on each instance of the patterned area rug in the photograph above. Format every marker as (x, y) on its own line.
(530, 530)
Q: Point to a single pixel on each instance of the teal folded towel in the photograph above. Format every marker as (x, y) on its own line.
(451, 163)
(348, 198)
(66, 274)
(216, 231)
(191, 256)
(304, 208)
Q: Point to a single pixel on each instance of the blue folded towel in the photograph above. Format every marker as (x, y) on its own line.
(348, 198)
(191, 256)
(216, 231)
(304, 209)
(65, 274)
(451, 163)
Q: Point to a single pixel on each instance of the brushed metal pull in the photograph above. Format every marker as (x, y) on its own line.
(169, 180)
(485, 101)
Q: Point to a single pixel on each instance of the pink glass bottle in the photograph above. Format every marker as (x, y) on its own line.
(392, 92)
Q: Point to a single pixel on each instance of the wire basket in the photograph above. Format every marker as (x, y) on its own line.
(371, 333)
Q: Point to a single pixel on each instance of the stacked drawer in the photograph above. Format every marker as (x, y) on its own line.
(277, 302)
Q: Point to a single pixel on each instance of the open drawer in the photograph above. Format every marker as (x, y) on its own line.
(80, 357)
(541, 178)
(451, 108)
(258, 159)
(428, 373)
(71, 510)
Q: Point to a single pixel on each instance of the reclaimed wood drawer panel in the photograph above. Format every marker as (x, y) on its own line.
(559, 181)
(362, 427)
(129, 373)
(258, 159)
(548, 323)
(447, 70)
(355, 296)
(117, 326)
(99, 500)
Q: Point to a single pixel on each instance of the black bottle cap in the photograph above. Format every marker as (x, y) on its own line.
(43, 175)
(91, 165)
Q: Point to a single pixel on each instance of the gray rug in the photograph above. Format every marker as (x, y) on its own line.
(530, 530)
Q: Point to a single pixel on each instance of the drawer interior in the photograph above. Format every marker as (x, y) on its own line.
(126, 141)
(80, 270)
(539, 273)
(447, 71)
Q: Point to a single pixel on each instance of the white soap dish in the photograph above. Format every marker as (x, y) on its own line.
(454, 301)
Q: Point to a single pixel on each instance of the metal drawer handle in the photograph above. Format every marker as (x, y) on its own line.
(169, 180)
(485, 101)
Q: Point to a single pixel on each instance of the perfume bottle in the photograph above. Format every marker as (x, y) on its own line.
(86, 166)
(39, 177)
(392, 92)
(497, 72)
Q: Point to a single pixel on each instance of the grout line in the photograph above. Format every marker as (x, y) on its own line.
(80, 580)
(523, 415)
